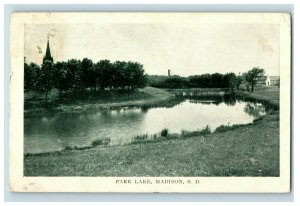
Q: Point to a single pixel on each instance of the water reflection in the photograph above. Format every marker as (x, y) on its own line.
(229, 100)
(56, 131)
(255, 109)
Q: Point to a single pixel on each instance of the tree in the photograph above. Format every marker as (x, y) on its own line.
(216, 81)
(239, 81)
(118, 72)
(230, 81)
(45, 78)
(135, 75)
(28, 77)
(175, 82)
(155, 80)
(119, 75)
(74, 74)
(87, 73)
(31, 72)
(102, 73)
(62, 77)
(77, 76)
(201, 81)
(251, 77)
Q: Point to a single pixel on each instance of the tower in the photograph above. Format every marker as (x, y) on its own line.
(48, 53)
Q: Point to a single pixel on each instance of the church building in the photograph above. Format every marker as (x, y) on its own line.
(48, 53)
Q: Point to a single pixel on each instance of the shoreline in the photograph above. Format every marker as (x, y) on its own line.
(171, 136)
(155, 97)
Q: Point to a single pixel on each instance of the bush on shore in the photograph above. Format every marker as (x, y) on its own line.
(101, 141)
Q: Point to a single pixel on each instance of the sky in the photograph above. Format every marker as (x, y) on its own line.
(185, 49)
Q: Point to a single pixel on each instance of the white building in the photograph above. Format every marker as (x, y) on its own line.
(272, 80)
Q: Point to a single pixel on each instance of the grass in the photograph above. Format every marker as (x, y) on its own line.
(237, 150)
(186, 133)
(224, 128)
(140, 137)
(266, 94)
(166, 135)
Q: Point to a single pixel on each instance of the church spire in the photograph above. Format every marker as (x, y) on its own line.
(48, 53)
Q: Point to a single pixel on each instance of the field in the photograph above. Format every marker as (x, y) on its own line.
(250, 150)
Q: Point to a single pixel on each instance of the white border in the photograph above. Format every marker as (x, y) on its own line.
(107, 184)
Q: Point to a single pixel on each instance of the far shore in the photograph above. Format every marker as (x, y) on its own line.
(145, 97)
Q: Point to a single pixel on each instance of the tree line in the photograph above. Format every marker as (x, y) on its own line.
(82, 75)
(215, 80)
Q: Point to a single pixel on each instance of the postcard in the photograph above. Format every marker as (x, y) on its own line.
(150, 102)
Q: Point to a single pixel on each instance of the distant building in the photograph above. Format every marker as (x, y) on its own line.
(268, 80)
(272, 80)
(48, 53)
(169, 72)
(262, 80)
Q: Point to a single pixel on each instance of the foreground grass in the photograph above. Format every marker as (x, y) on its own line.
(249, 150)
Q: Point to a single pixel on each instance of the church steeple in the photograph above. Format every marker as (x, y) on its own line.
(48, 53)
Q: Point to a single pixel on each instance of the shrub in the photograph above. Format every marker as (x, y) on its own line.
(164, 132)
(68, 148)
(102, 141)
(185, 133)
(223, 128)
(83, 147)
(173, 136)
(141, 137)
(206, 130)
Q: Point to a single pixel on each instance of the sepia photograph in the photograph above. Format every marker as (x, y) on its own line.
(150, 102)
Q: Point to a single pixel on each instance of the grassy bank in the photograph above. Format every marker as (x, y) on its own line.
(145, 97)
(249, 150)
(268, 94)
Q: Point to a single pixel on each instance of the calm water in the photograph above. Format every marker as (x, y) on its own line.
(55, 132)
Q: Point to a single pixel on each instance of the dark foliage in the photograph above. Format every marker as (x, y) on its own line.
(216, 80)
(252, 76)
(164, 132)
(83, 76)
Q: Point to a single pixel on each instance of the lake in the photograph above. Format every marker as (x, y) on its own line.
(54, 132)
